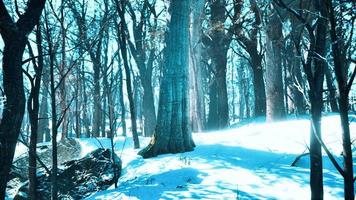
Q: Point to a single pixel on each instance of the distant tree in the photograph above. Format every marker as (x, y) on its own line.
(144, 52)
(251, 42)
(197, 100)
(274, 82)
(172, 133)
(122, 35)
(217, 41)
(14, 35)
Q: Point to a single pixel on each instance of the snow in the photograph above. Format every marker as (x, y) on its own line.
(252, 161)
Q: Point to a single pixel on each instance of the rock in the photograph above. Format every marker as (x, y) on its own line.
(68, 149)
(78, 179)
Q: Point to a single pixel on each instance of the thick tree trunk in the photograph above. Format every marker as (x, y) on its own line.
(172, 133)
(14, 36)
(274, 83)
(15, 104)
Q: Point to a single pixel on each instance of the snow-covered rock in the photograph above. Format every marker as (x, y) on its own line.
(78, 179)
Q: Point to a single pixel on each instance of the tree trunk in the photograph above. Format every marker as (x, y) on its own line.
(149, 111)
(316, 98)
(14, 36)
(274, 83)
(33, 110)
(122, 103)
(218, 116)
(62, 68)
(332, 90)
(15, 104)
(97, 103)
(172, 133)
(197, 106)
(341, 71)
(43, 124)
(258, 88)
(123, 47)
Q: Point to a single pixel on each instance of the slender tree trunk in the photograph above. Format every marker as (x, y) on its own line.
(123, 47)
(122, 103)
(173, 134)
(33, 110)
(332, 90)
(43, 124)
(85, 103)
(62, 68)
(197, 106)
(97, 103)
(316, 97)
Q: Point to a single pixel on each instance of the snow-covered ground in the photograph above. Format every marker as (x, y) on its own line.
(248, 162)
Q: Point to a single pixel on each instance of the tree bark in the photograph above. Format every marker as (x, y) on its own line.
(316, 97)
(274, 83)
(197, 106)
(332, 90)
(15, 38)
(219, 43)
(172, 133)
(251, 46)
(344, 87)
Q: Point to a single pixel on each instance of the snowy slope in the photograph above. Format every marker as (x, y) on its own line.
(249, 162)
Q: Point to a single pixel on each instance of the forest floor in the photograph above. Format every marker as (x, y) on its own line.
(248, 161)
(251, 161)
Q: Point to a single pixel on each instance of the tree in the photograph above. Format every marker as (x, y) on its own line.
(274, 83)
(217, 41)
(339, 48)
(314, 67)
(197, 101)
(33, 110)
(144, 55)
(251, 42)
(172, 133)
(122, 31)
(14, 35)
